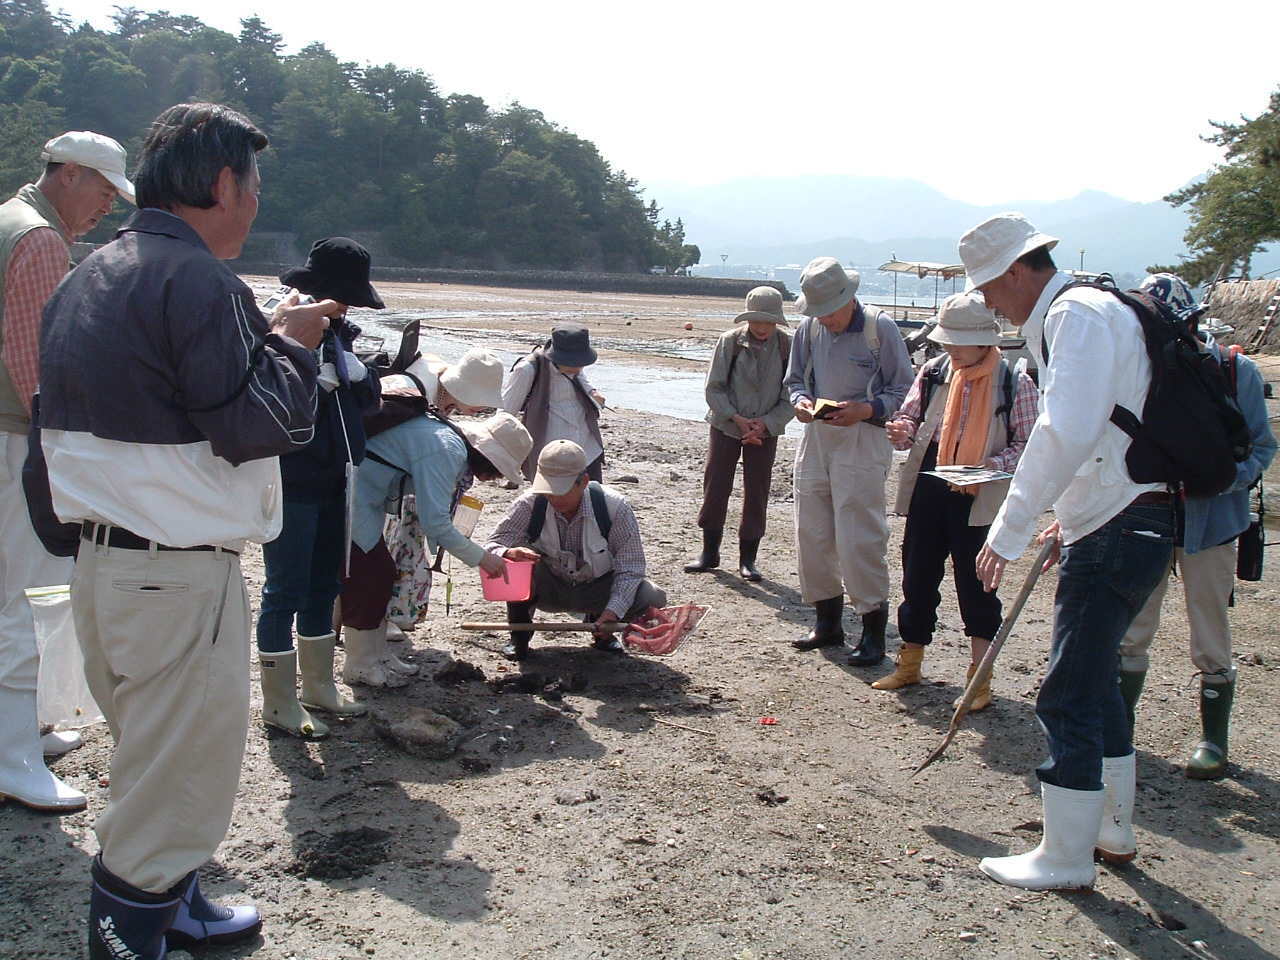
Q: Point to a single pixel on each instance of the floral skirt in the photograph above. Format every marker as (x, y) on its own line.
(408, 545)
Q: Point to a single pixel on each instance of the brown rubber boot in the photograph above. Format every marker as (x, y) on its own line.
(907, 673)
(982, 699)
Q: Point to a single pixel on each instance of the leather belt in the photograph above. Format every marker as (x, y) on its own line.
(1152, 497)
(102, 535)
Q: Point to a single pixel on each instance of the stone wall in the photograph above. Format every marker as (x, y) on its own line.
(1242, 304)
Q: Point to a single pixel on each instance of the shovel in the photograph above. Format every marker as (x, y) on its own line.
(983, 673)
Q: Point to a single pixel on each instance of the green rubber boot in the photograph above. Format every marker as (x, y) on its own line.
(1217, 692)
(1131, 682)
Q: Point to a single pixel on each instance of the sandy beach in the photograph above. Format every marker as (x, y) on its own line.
(650, 813)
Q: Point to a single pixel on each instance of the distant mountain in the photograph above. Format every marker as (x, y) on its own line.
(866, 220)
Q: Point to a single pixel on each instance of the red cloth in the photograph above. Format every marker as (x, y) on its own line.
(36, 266)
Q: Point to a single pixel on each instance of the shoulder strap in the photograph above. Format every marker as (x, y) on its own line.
(1006, 407)
(734, 349)
(871, 329)
(935, 374)
(537, 518)
(600, 507)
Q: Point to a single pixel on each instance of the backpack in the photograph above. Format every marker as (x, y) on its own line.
(784, 351)
(937, 375)
(538, 518)
(1191, 434)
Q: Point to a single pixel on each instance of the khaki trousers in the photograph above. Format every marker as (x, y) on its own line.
(1208, 578)
(842, 533)
(165, 636)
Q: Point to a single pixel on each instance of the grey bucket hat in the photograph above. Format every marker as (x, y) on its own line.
(965, 321)
(825, 287)
(764, 305)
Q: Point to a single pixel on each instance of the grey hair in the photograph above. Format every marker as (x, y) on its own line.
(186, 149)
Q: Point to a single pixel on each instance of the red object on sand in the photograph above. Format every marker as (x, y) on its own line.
(768, 721)
(660, 631)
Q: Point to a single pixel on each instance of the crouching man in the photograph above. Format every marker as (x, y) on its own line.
(590, 558)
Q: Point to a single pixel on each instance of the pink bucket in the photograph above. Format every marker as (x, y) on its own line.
(516, 588)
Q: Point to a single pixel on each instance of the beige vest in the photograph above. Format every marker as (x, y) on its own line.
(27, 211)
(596, 560)
(990, 495)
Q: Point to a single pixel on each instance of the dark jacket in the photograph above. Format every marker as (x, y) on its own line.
(319, 470)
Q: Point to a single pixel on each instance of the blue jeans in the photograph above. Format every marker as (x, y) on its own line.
(304, 565)
(1103, 583)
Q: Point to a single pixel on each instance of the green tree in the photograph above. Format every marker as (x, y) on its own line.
(1235, 210)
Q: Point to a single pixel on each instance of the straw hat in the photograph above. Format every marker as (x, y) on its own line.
(825, 287)
(764, 305)
(560, 464)
(990, 248)
(503, 440)
(965, 321)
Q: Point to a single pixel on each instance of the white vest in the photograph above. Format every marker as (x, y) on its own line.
(596, 560)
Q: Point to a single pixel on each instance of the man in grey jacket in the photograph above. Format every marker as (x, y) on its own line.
(748, 408)
(166, 400)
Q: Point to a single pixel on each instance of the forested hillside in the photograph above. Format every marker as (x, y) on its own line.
(355, 149)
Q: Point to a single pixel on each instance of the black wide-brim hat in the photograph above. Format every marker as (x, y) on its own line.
(336, 269)
(571, 346)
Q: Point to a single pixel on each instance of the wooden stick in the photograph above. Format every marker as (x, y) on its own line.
(550, 626)
(672, 723)
(983, 673)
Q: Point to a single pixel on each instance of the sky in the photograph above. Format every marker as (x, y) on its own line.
(989, 102)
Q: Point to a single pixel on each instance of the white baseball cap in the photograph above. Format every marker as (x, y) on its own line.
(91, 150)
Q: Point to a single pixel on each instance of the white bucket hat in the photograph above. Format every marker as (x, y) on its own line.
(965, 321)
(990, 248)
(825, 287)
(503, 440)
(475, 380)
(91, 150)
(764, 305)
(560, 464)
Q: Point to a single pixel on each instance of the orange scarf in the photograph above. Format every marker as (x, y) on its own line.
(965, 444)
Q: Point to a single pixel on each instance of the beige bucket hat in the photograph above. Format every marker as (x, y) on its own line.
(965, 321)
(476, 379)
(825, 287)
(560, 464)
(91, 150)
(764, 305)
(990, 248)
(504, 440)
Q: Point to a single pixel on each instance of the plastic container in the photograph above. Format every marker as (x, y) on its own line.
(516, 588)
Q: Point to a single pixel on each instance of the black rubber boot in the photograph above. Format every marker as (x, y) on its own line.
(747, 550)
(518, 648)
(828, 630)
(1131, 682)
(870, 650)
(125, 921)
(710, 558)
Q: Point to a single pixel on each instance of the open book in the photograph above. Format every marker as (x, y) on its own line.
(968, 476)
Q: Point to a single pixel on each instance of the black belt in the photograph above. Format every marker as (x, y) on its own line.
(1151, 497)
(100, 534)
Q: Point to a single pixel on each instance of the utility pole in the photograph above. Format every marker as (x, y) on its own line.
(1082, 259)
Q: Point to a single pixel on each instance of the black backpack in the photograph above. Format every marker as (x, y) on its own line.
(538, 517)
(1191, 434)
(936, 375)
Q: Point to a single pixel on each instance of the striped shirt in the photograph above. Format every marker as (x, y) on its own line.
(36, 266)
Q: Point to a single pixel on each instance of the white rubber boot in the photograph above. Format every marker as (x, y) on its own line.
(364, 658)
(280, 706)
(1064, 859)
(23, 775)
(1116, 841)
(315, 663)
(57, 742)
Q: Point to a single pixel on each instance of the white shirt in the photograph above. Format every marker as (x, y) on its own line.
(566, 419)
(1074, 458)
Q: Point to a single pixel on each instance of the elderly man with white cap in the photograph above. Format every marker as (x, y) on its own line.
(84, 173)
(1117, 536)
(590, 559)
(849, 371)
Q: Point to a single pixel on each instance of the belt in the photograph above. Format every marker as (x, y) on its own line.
(1151, 497)
(100, 534)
